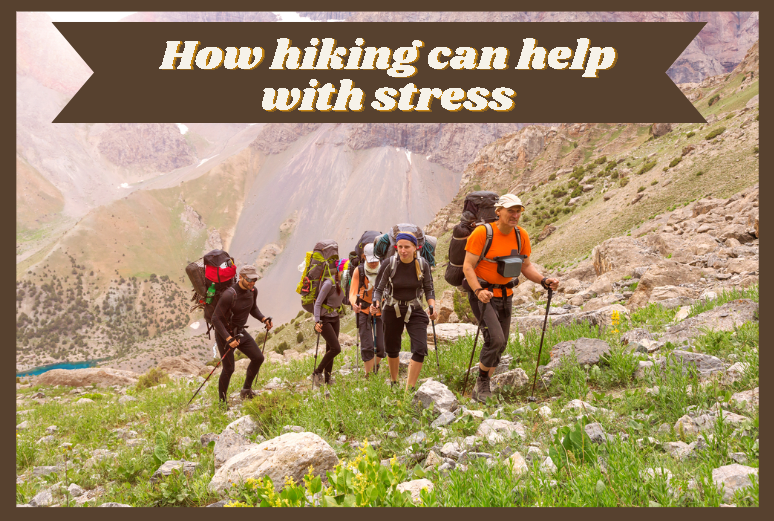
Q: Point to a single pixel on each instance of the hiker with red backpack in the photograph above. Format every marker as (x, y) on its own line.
(369, 324)
(229, 319)
(401, 281)
(496, 253)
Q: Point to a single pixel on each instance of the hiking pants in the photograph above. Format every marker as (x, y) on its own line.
(248, 346)
(416, 327)
(366, 328)
(330, 333)
(496, 326)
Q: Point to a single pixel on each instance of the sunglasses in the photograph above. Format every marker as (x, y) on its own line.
(248, 279)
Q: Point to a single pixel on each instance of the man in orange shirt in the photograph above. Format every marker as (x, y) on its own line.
(486, 285)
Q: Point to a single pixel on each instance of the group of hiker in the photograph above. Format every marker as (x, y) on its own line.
(383, 280)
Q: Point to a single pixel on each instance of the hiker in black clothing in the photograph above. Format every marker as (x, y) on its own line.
(400, 283)
(232, 311)
(327, 308)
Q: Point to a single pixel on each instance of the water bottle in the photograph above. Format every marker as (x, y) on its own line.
(210, 293)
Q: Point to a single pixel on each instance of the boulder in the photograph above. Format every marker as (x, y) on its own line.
(731, 478)
(42, 499)
(501, 427)
(621, 253)
(415, 487)
(704, 364)
(229, 444)
(703, 206)
(433, 460)
(437, 396)
(635, 335)
(548, 229)
(445, 307)
(665, 273)
(444, 419)
(603, 301)
(99, 376)
(188, 467)
(569, 286)
(287, 455)
(722, 318)
(747, 399)
(450, 332)
(596, 433)
(660, 129)
(244, 426)
(517, 464)
(183, 365)
(587, 351)
(515, 378)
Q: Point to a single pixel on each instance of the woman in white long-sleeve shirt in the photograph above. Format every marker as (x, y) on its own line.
(326, 317)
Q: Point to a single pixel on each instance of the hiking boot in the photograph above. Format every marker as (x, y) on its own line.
(247, 394)
(317, 379)
(481, 391)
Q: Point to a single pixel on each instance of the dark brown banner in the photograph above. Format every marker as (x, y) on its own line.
(379, 72)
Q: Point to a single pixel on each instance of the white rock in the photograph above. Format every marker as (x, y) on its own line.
(518, 464)
(731, 478)
(502, 427)
(435, 395)
(415, 487)
(548, 465)
(287, 455)
(545, 411)
(74, 490)
(244, 426)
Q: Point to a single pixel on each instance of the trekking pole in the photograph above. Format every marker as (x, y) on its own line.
(357, 341)
(464, 386)
(208, 376)
(435, 343)
(531, 397)
(315, 358)
(373, 330)
(266, 335)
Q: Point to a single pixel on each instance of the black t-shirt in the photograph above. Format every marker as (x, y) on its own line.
(405, 282)
(241, 303)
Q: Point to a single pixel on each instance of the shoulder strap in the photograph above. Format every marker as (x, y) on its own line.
(361, 277)
(518, 239)
(487, 243)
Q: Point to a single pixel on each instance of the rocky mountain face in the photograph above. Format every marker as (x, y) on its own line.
(205, 16)
(716, 50)
(153, 147)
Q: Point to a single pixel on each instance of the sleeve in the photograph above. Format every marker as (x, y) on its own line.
(322, 296)
(218, 316)
(254, 311)
(476, 240)
(427, 278)
(381, 281)
(526, 247)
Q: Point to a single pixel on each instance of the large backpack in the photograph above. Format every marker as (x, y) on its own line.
(215, 270)
(478, 208)
(320, 264)
(387, 298)
(384, 245)
(355, 260)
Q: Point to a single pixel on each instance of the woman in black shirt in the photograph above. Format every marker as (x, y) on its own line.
(400, 283)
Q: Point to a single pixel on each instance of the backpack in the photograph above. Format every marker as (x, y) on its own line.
(500, 261)
(320, 264)
(478, 208)
(355, 258)
(384, 245)
(215, 270)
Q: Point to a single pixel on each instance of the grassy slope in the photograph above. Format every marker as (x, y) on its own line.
(358, 410)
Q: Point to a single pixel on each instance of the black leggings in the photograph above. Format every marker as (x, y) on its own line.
(248, 346)
(416, 327)
(330, 333)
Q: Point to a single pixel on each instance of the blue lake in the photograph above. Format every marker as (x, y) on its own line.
(65, 365)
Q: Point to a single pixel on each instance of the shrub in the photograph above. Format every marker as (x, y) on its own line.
(690, 134)
(715, 133)
(713, 100)
(558, 192)
(646, 167)
(534, 187)
(576, 192)
(153, 377)
(655, 182)
(755, 150)
(282, 347)
(729, 116)
(462, 306)
(300, 337)
(602, 160)
(675, 161)
(566, 210)
(641, 189)
(623, 181)
(699, 173)
(614, 175)
(552, 177)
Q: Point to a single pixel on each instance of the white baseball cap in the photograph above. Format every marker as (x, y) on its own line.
(508, 200)
(368, 251)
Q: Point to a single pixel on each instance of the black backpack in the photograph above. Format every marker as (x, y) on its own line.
(216, 270)
(479, 208)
